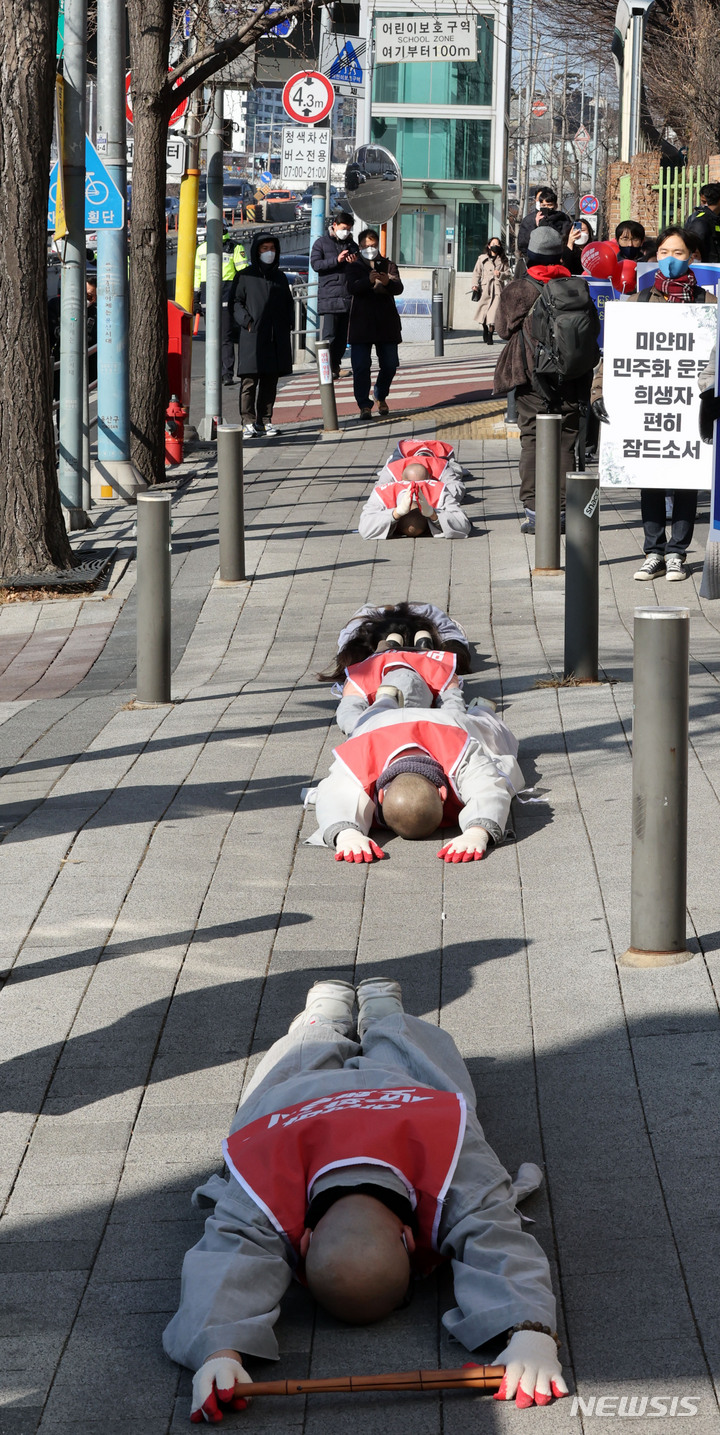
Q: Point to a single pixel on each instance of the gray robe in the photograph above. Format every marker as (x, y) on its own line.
(234, 1278)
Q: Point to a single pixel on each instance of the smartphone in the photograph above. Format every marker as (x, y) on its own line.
(578, 226)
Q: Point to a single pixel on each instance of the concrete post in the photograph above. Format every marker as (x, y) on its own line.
(317, 229)
(437, 325)
(86, 493)
(213, 278)
(230, 494)
(153, 598)
(327, 390)
(113, 475)
(582, 549)
(660, 783)
(548, 429)
(73, 304)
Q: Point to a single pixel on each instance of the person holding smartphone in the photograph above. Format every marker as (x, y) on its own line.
(580, 235)
(373, 284)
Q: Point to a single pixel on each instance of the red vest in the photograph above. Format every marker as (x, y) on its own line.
(390, 492)
(435, 668)
(367, 755)
(415, 1131)
(433, 454)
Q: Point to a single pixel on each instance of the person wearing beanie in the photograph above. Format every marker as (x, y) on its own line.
(413, 770)
(515, 367)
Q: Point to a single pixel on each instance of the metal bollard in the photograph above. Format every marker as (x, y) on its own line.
(548, 430)
(660, 788)
(327, 389)
(230, 493)
(437, 325)
(153, 598)
(582, 594)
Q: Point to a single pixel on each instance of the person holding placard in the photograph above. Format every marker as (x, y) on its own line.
(674, 283)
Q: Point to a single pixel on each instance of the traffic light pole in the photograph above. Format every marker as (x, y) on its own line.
(213, 276)
(73, 304)
(113, 474)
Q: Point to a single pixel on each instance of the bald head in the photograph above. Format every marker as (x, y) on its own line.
(412, 806)
(411, 525)
(415, 473)
(356, 1265)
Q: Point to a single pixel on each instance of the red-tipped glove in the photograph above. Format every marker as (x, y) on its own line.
(470, 846)
(218, 1382)
(352, 846)
(532, 1369)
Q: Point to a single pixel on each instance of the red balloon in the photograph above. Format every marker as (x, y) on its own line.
(599, 259)
(624, 278)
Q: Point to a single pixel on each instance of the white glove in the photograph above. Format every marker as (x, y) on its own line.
(470, 846)
(532, 1369)
(352, 846)
(404, 503)
(218, 1380)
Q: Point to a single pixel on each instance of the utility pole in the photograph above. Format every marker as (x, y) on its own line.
(113, 470)
(213, 281)
(563, 135)
(528, 114)
(73, 302)
(596, 134)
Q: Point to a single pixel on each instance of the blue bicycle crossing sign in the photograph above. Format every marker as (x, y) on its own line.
(104, 205)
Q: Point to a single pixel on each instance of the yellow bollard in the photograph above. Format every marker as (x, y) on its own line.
(187, 239)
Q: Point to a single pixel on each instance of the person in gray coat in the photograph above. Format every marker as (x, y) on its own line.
(261, 305)
(357, 1159)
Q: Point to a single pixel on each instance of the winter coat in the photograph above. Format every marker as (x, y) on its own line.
(374, 318)
(706, 227)
(261, 306)
(333, 293)
(489, 276)
(516, 363)
(555, 217)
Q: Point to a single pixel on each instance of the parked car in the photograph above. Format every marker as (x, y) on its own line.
(303, 209)
(295, 264)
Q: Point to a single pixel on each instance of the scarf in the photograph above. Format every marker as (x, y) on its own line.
(677, 291)
(544, 272)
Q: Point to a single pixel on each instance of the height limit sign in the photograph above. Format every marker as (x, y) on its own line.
(308, 97)
(305, 154)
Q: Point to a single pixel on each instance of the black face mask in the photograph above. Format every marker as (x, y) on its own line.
(628, 251)
(494, 251)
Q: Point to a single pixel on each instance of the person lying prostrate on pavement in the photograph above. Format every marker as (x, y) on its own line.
(412, 678)
(414, 771)
(409, 625)
(357, 1160)
(435, 455)
(413, 506)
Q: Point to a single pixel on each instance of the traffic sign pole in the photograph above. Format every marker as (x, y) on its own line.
(308, 97)
(213, 273)
(73, 305)
(113, 475)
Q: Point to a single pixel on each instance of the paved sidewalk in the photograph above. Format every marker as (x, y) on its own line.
(162, 922)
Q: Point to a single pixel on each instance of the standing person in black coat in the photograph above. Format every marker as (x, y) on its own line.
(333, 255)
(373, 283)
(262, 309)
(546, 212)
(705, 224)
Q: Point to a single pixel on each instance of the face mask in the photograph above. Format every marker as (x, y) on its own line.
(267, 256)
(672, 267)
(494, 251)
(538, 204)
(628, 251)
(582, 240)
(342, 233)
(371, 252)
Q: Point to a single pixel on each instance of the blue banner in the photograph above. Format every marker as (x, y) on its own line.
(600, 291)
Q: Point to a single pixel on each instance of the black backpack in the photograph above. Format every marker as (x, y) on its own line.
(564, 325)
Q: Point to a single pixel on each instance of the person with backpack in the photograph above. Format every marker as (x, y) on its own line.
(674, 283)
(552, 328)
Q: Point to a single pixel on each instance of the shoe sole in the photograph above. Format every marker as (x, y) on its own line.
(675, 577)
(649, 577)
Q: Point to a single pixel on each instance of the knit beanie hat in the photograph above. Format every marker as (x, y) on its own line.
(545, 246)
(423, 766)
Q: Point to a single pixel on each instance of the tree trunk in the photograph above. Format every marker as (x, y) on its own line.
(150, 23)
(33, 538)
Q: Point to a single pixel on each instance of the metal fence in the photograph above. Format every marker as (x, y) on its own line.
(678, 192)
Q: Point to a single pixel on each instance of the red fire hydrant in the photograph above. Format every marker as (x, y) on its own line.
(174, 431)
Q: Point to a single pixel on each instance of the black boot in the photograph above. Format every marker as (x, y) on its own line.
(486, 334)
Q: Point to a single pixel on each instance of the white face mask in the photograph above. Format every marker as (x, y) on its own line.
(371, 252)
(342, 233)
(267, 256)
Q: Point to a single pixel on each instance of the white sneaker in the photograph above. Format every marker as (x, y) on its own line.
(270, 430)
(331, 1001)
(387, 690)
(675, 568)
(250, 431)
(653, 567)
(376, 998)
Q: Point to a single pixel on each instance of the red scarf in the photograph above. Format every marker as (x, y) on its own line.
(544, 272)
(677, 291)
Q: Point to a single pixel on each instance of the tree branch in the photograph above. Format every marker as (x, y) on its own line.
(215, 57)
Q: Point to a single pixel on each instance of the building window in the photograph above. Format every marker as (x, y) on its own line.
(438, 148)
(438, 83)
(472, 233)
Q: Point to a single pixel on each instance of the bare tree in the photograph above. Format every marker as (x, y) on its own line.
(681, 73)
(155, 96)
(32, 533)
